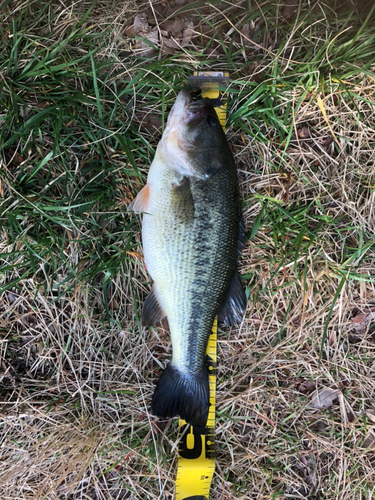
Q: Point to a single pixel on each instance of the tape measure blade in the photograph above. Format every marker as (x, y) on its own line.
(196, 460)
(196, 497)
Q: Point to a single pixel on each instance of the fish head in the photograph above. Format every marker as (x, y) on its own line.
(193, 141)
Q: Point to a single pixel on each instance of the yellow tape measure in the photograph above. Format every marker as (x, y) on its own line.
(196, 453)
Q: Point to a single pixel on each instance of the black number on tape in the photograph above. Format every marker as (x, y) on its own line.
(195, 436)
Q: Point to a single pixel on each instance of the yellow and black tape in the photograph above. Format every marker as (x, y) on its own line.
(196, 452)
(212, 85)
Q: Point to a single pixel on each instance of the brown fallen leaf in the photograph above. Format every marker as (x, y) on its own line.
(371, 415)
(249, 33)
(141, 24)
(368, 444)
(143, 29)
(111, 301)
(129, 31)
(361, 319)
(170, 42)
(289, 8)
(187, 33)
(369, 441)
(327, 141)
(206, 30)
(46, 139)
(323, 398)
(306, 387)
(303, 133)
(174, 27)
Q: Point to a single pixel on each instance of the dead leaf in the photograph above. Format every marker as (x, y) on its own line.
(14, 158)
(289, 8)
(371, 415)
(361, 319)
(323, 398)
(153, 37)
(143, 29)
(249, 34)
(303, 133)
(129, 31)
(12, 297)
(369, 441)
(206, 30)
(141, 24)
(46, 139)
(169, 42)
(326, 142)
(306, 387)
(365, 316)
(174, 26)
(187, 33)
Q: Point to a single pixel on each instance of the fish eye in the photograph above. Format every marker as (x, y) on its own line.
(211, 120)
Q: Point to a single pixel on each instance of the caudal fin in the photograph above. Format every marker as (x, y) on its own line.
(182, 394)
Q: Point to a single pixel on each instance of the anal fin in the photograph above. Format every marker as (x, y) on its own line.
(152, 312)
(234, 304)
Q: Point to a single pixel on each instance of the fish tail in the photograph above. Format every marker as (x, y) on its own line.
(182, 394)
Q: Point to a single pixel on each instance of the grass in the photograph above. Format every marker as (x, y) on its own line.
(77, 109)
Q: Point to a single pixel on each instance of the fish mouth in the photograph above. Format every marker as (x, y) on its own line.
(179, 107)
(186, 110)
(196, 111)
(184, 114)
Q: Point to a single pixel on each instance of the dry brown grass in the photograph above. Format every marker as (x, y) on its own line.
(76, 383)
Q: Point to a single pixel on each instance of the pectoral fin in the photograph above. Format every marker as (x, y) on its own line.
(233, 307)
(140, 202)
(152, 312)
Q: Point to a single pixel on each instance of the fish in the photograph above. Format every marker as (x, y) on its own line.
(192, 232)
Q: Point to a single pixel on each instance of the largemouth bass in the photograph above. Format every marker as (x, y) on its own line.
(190, 232)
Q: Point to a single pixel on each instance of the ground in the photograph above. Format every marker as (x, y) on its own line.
(85, 88)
